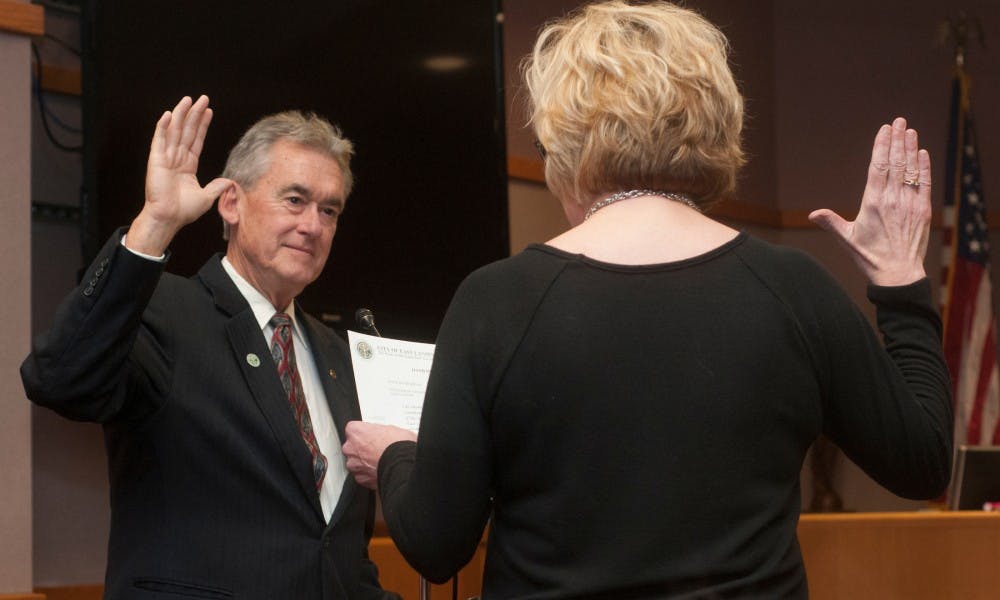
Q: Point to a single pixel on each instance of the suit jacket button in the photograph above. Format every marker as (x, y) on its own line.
(104, 262)
(326, 542)
(89, 291)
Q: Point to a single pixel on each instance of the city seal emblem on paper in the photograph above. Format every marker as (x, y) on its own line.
(365, 350)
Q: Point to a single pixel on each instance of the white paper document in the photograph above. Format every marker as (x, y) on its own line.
(391, 376)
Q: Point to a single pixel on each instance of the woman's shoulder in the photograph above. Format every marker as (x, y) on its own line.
(793, 276)
(535, 262)
(759, 248)
(778, 261)
(511, 281)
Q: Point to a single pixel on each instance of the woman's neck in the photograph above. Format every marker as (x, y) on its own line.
(644, 230)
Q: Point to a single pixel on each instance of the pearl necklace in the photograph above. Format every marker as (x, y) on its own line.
(682, 198)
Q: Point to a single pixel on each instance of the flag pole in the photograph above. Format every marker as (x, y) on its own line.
(957, 32)
(969, 337)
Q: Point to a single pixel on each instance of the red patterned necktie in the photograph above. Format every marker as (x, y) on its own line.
(283, 353)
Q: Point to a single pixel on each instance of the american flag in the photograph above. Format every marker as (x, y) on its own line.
(967, 296)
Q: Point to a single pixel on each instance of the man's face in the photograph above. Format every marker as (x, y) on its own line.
(286, 221)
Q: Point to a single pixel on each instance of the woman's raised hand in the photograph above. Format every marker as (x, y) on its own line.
(888, 238)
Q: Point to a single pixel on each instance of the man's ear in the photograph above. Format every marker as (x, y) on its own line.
(228, 203)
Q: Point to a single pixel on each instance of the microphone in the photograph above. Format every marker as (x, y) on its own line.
(366, 320)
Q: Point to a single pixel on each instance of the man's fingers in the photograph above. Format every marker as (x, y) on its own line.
(199, 138)
(215, 187)
(159, 141)
(192, 122)
(176, 125)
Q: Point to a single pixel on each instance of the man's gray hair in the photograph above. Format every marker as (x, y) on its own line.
(248, 159)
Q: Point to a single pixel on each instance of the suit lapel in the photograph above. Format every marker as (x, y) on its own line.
(338, 385)
(251, 353)
(335, 372)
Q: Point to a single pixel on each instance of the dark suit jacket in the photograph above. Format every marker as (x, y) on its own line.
(212, 493)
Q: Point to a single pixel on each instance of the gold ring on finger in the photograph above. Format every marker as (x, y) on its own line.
(912, 182)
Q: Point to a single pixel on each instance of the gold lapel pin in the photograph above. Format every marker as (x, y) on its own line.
(333, 374)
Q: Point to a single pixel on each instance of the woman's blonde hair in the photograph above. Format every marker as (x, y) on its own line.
(629, 96)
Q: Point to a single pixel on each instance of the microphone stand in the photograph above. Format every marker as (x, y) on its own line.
(366, 320)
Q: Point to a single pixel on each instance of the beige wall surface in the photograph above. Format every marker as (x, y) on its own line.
(844, 68)
(15, 272)
(70, 482)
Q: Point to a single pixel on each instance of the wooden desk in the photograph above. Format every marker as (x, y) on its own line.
(906, 555)
(860, 556)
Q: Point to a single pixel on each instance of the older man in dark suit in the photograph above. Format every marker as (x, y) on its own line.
(223, 404)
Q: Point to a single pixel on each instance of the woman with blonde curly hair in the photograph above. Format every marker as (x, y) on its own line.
(629, 404)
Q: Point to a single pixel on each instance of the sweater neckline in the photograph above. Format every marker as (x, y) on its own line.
(712, 254)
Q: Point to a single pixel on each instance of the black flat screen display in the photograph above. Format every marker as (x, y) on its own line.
(415, 85)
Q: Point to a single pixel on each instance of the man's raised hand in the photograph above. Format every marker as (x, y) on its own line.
(173, 196)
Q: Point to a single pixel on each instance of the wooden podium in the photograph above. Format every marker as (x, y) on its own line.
(906, 555)
(849, 556)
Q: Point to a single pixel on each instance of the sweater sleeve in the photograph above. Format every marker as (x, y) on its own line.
(889, 406)
(437, 493)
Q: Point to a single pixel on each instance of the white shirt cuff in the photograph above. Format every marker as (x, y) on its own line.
(161, 258)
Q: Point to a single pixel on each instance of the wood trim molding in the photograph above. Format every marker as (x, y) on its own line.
(72, 592)
(61, 80)
(526, 169)
(21, 18)
(532, 170)
(22, 597)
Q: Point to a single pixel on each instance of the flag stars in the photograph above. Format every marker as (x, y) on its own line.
(973, 198)
(970, 150)
(975, 246)
(967, 179)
